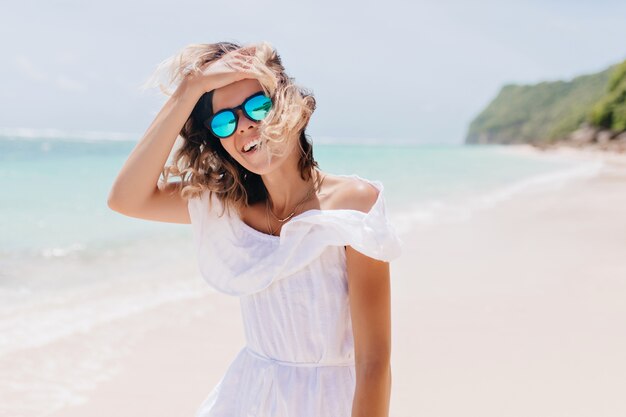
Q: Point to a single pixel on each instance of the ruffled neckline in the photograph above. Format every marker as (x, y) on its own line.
(237, 259)
(313, 212)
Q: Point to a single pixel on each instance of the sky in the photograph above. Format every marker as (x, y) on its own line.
(392, 70)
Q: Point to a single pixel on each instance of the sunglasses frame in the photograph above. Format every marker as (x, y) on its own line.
(233, 110)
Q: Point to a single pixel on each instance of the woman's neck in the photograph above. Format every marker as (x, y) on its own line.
(287, 189)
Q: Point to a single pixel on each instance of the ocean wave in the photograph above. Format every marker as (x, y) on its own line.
(539, 183)
(39, 322)
(441, 211)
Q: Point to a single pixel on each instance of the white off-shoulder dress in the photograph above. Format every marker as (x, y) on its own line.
(298, 360)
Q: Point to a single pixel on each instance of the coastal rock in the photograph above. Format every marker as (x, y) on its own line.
(585, 134)
(621, 138)
(604, 136)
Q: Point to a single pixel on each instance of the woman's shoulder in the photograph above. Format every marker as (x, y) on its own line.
(352, 192)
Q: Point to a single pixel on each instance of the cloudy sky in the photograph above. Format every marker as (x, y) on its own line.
(393, 70)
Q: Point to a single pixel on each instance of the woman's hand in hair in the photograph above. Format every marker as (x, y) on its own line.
(232, 67)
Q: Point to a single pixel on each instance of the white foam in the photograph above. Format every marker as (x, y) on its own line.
(57, 252)
(65, 323)
(540, 183)
(438, 211)
(32, 325)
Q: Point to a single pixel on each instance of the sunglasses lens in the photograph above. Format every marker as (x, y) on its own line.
(224, 124)
(258, 107)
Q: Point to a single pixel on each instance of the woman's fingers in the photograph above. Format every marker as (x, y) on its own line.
(248, 50)
(233, 66)
(243, 62)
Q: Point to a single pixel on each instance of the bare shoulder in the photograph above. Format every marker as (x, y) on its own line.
(351, 193)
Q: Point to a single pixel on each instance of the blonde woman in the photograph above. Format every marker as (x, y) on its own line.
(307, 252)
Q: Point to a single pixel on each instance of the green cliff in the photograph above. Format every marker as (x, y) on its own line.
(550, 111)
(610, 111)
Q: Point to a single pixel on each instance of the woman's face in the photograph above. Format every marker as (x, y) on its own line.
(259, 161)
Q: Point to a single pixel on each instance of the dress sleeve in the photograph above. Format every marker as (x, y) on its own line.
(197, 212)
(204, 211)
(373, 234)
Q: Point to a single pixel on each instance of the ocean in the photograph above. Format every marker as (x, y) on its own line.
(70, 267)
(55, 190)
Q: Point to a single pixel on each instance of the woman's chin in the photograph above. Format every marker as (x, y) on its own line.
(258, 162)
(264, 166)
(262, 161)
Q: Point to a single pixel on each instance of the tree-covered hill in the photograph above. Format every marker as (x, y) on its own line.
(550, 111)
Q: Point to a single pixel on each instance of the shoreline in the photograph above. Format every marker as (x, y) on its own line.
(581, 163)
(611, 146)
(574, 152)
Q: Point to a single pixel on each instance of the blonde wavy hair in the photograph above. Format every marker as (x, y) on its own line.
(201, 161)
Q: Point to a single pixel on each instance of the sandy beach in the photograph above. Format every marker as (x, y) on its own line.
(518, 311)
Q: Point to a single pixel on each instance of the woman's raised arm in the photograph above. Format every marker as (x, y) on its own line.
(135, 191)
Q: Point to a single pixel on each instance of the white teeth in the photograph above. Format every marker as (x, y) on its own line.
(250, 144)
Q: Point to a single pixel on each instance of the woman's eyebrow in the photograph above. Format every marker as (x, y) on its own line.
(216, 109)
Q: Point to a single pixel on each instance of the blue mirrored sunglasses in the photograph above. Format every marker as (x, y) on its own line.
(224, 123)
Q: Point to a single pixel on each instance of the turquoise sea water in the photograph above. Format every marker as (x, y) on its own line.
(55, 191)
(73, 273)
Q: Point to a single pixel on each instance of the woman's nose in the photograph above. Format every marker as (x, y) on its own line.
(243, 123)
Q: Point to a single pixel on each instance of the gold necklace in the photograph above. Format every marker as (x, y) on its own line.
(267, 217)
(269, 210)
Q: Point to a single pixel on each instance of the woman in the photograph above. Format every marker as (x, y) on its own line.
(306, 252)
